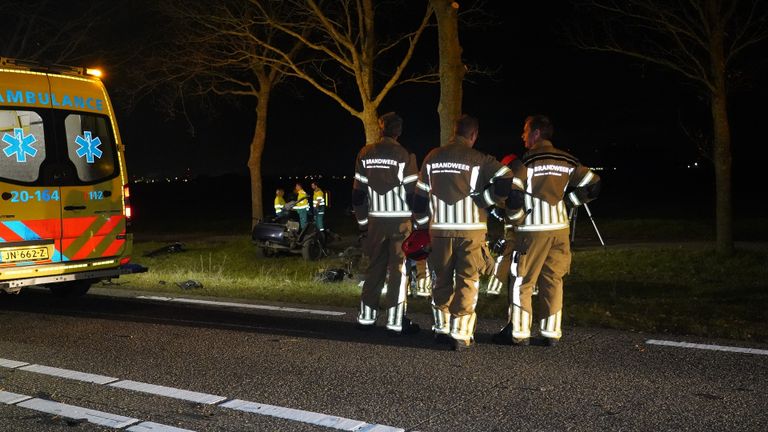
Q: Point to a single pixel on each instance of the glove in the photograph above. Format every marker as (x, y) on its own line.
(498, 246)
(497, 214)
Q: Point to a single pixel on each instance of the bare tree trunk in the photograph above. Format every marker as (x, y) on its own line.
(722, 139)
(723, 169)
(452, 69)
(370, 119)
(257, 149)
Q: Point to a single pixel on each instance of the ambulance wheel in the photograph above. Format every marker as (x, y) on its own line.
(71, 289)
(312, 250)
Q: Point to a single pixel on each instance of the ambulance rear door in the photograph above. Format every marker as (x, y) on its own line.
(93, 221)
(30, 211)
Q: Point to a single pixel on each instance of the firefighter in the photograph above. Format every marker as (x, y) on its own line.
(455, 184)
(385, 180)
(302, 205)
(318, 205)
(499, 279)
(279, 202)
(541, 256)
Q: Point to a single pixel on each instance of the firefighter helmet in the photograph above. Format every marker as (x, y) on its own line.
(417, 245)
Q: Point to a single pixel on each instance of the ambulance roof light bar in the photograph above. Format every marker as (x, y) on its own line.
(36, 66)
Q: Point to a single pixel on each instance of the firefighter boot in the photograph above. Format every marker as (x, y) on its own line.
(398, 324)
(462, 345)
(504, 337)
(366, 319)
(441, 329)
(463, 331)
(550, 329)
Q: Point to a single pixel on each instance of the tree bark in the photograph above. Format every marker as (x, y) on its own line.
(452, 69)
(723, 170)
(257, 149)
(722, 156)
(370, 119)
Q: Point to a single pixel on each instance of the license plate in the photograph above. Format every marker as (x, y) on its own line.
(25, 254)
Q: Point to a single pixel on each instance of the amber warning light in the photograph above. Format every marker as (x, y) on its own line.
(93, 72)
(127, 201)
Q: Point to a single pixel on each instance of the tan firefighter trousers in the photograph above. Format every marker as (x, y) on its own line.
(456, 262)
(540, 258)
(383, 246)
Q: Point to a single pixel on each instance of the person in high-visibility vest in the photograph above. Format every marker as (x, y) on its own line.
(279, 202)
(302, 205)
(553, 179)
(318, 205)
(385, 180)
(456, 182)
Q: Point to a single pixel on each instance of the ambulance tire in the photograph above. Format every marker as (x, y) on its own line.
(71, 289)
(312, 250)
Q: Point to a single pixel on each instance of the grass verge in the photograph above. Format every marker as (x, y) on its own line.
(676, 289)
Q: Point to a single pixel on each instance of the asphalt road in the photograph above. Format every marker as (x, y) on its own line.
(315, 368)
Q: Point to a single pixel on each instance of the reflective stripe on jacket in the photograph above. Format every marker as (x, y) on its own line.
(551, 176)
(459, 181)
(385, 174)
(302, 202)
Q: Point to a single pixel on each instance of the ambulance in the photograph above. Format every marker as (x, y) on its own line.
(64, 197)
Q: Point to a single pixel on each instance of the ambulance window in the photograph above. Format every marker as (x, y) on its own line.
(90, 146)
(22, 145)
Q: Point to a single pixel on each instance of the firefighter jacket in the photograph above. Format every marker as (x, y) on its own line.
(302, 202)
(318, 201)
(385, 180)
(279, 204)
(455, 185)
(553, 179)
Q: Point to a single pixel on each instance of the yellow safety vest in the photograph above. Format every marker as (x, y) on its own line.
(318, 198)
(279, 204)
(302, 203)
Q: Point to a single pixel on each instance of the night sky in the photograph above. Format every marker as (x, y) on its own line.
(610, 111)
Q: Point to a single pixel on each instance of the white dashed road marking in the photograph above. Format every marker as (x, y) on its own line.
(9, 398)
(243, 305)
(307, 417)
(155, 427)
(707, 347)
(69, 374)
(11, 364)
(170, 392)
(80, 413)
(68, 411)
(92, 416)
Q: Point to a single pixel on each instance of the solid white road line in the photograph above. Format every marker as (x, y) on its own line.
(243, 305)
(307, 417)
(12, 364)
(77, 413)
(170, 392)
(70, 374)
(707, 347)
(155, 427)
